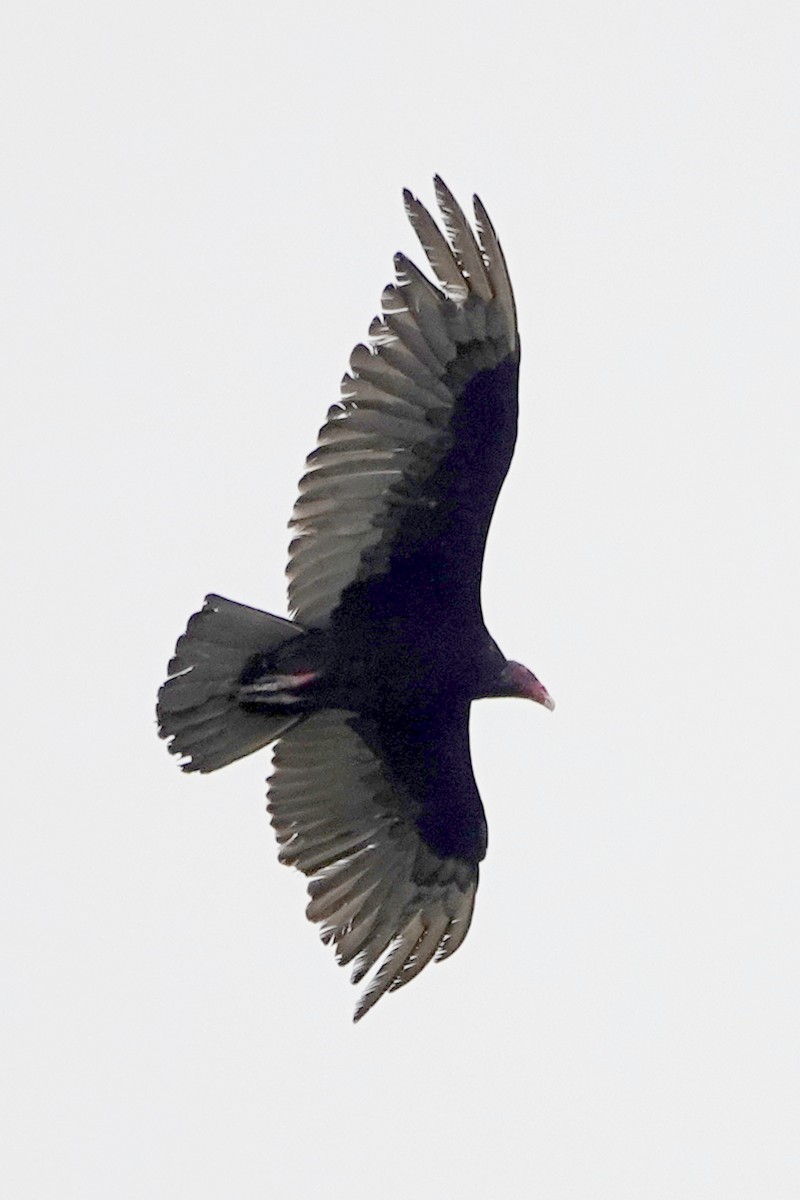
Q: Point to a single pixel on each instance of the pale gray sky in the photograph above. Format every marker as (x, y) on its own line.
(201, 204)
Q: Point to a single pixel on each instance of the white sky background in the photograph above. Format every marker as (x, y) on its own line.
(204, 200)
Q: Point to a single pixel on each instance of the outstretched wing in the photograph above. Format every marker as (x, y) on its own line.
(408, 465)
(389, 825)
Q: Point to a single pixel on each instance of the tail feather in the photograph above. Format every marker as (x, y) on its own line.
(198, 706)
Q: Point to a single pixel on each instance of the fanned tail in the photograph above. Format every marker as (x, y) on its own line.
(198, 707)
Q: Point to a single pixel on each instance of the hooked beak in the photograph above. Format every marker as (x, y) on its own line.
(541, 695)
(522, 682)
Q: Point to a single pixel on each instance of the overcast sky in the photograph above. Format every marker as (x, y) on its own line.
(201, 205)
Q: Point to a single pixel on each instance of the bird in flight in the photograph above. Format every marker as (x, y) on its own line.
(366, 691)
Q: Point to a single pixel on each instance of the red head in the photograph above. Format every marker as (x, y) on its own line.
(516, 680)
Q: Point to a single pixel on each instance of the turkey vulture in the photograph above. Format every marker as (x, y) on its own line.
(368, 687)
